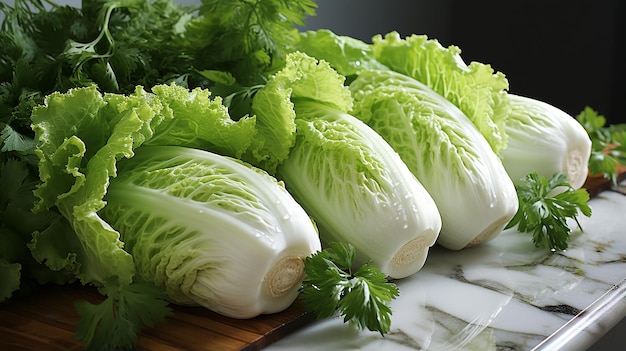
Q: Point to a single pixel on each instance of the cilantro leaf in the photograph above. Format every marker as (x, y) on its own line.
(545, 205)
(115, 44)
(329, 286)
(246, 37)
(115, 323)
(608, 144)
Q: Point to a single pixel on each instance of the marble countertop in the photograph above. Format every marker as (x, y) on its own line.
(503, 295)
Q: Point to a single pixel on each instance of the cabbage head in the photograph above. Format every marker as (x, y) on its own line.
(444, 150)
(211, 230)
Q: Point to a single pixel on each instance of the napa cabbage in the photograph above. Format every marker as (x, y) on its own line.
(185, 228)
(359, 191)
(546, 140)
(211, 230)
(356, 188)
(475, 88)
(444, 150)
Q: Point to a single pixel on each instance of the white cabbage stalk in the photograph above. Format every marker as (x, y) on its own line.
(546, 140)
(359, 191)
(445, 151)
(211, 230)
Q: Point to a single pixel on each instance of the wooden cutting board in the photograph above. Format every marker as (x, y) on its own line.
(46, 320)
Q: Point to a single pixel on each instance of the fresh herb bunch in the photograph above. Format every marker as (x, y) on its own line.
(545, 205)
(361, 297)
(119, 44)
(246, 38)
(608, 144)
(115, 44)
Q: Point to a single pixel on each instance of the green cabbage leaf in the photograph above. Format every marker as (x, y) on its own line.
(302, 77)
(476, 89)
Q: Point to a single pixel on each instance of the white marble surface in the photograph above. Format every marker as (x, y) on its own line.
(503, 295)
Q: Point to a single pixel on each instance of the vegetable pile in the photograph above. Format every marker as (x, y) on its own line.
(219, 156)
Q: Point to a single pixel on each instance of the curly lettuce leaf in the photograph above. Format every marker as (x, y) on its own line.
(475, 88)
(201, 122)
(302, 77)
(78, 146)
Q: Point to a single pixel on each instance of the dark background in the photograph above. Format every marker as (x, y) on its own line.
(567, 53)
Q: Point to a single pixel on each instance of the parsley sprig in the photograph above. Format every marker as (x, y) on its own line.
(361, 297)
(608, 143)
(115, 323)
(246, 37)
(545, 205)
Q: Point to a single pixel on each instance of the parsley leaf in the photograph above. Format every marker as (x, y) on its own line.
(545, 205)
(115, 44)
(115, 323)
(362, 297)
(246, 37)
(608, 144)
(11, 140)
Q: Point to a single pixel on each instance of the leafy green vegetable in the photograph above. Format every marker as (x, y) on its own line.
(22, 231)
(301, 78)
(11, 140)
(347, 55)
(545, 140)
(475, 89)
(116, 322)
(81, 135)
(545, 206)
(359, 191)
(114, 44)
(210, 230)
(361, 297)
(608, 144)
(246, 38)
(345, 175)
(444, 150)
